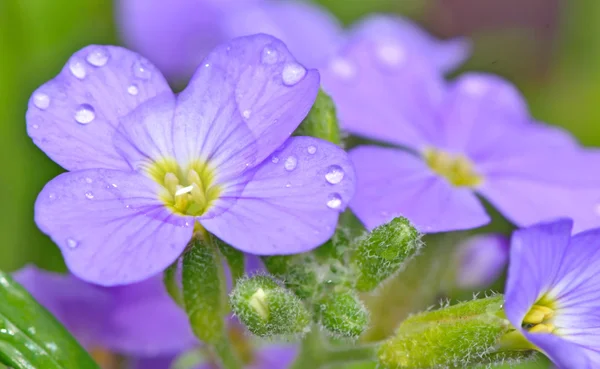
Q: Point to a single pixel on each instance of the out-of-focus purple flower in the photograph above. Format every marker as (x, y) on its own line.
(147, 164)
(552, 293)
(472, 136)
(481, 260)
(267, 357)
(140, 320)
(176, 35)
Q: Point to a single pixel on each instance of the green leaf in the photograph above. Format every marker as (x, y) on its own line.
(234, 257)
(321, 121)
(205, 299)
(171, 283)
(30, 337)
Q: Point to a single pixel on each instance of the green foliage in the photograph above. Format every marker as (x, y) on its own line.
(235, 259)
(383, 252)
(321, 121)
(343, 314)
(172, 283)
(296, 271)
(267, 309)
(452, 337)
(30, 337)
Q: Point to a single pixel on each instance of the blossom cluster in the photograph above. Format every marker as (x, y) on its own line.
(148, 170)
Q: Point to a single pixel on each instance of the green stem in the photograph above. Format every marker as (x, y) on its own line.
(352, 354)
(228, 358)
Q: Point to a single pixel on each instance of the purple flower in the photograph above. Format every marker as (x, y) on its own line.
(467, 138)
(147, 164)
(175, 36)
(481, 260)
(552, 293)
(139, 319)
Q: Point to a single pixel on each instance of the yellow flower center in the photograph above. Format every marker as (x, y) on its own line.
(539, 317)
(457, 169)
(187, 191)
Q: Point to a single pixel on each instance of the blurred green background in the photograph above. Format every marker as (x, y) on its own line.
(549, 48)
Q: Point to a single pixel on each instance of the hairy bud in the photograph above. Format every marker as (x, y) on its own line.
(383, 252)
(343, 314)
(267, 309)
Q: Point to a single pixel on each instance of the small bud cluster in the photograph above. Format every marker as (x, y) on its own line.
(322, 286)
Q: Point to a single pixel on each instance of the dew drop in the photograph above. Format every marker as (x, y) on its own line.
(391, 54)
(246, 113)
(88, 180)
(77, 68)
(311, 149)
(334, 201)
(342, 68)
(98, 57)
(89, 195)
(141, 69)
(85, 114)
(269, 55)
(207, 65)
(292, 73)
(41, 100)
(274, 160)
(72, 243)
(133, 90)
(114, 185)
(288, 185)
(35, 126)
(290, 163)
(52, 196)
(334, 174)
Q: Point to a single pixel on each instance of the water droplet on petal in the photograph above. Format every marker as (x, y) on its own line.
(246, 113)
(391, 53)
(269, 55)
(288, 185)
(88, 180)
(274, 160)
(85, 114)
(35, 126)
(72, 243)
(77, 68)
(290, 163)
(334, 174)
(114, 185)
(292, 73)
(207, 65)
(141, 69)
(89, 195)
(41, 100)
(98, 57)
(311, 149)
(334, 201)
(133, 90)
(342, 68)
(52, 196)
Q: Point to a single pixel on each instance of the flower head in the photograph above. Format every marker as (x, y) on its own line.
(146, 165)
(552, 292)
(177, 35)
(140, 319)
(481, 260)
(471, 137)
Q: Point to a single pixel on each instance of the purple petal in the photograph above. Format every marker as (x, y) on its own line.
(275, 357)
(159, 362)
(443, 54)
(479, 107)
(250, 87)
(309, 31)
(536, 254)
(293, 201)
(563, 353)
(110, 225)
(79, 306)
(176, 36)
(73, 117)
(482, 259)
(393, 182)
(146, 321)
(385, 93)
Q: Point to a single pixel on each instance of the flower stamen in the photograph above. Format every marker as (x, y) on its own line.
(456, 168)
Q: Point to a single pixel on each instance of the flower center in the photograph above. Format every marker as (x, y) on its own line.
(457, 169)
(539, 318)
(188, 191)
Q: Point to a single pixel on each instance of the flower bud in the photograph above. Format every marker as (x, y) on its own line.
(321, 121)
(297, 271)
(457, 336)
(481, 260)
(343, 314)
(267, 309)
(383, 252)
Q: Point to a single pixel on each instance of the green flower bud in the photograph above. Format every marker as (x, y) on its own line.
(453, 337)
(343, 314)
(267, 309)
(384, 251)
(321, 121)
(298, 272)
